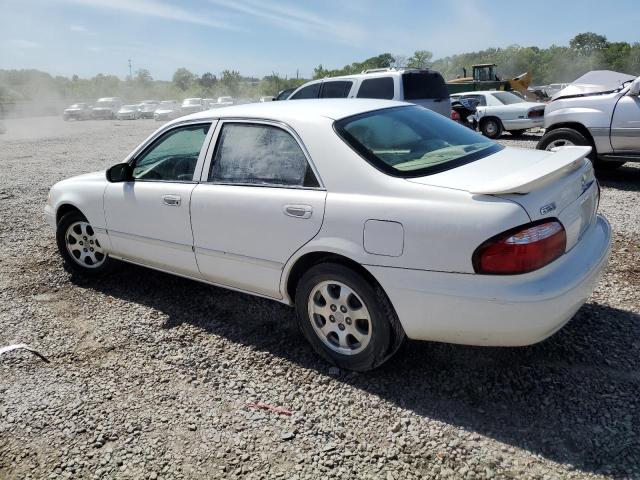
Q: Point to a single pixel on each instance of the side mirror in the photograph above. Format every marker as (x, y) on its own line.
(634, 90)
(120, 172)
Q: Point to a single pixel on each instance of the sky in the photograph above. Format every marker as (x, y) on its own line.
(288, 37)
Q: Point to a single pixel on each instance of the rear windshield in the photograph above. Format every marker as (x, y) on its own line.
(412, 141)
(420, 85)
(507, 98)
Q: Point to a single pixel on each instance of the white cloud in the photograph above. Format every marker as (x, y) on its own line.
(21, 44)
(297, 19)
(153, 8)
(77, 28)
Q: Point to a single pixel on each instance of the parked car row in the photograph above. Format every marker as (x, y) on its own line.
(114, 108)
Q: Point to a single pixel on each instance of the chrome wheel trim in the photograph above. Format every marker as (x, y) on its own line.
(83, 245)
(561, 142)
(491, 127)
(339, 317)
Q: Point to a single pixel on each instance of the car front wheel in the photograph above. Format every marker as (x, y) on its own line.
(348, 321)
(79, 246)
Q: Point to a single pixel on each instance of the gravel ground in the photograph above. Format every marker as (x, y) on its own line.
(151, 375)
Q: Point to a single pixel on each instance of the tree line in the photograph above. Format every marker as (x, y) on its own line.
(585, 52)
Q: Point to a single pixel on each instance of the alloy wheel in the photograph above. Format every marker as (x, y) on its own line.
(561, 142)
(339, 317)
(83, 245)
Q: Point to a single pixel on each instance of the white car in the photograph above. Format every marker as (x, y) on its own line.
(375, 219)
(499, 111)
(224, 101)
(419, 86)
(128, 112)
(192, 105)
(167, 110)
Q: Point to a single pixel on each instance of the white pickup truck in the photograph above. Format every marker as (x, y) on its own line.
(601, 109)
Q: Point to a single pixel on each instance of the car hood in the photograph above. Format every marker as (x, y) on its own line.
(596, 81)
(100, 175)
(164, 110)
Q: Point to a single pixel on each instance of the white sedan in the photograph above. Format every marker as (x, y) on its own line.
(499, 111)
(375, 219)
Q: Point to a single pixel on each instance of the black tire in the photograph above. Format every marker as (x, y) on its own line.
(569, 135)
(517, 133)
(386, 332)
(491, 127)
(72, 264)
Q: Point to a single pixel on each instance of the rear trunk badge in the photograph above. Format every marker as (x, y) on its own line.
(549, 207)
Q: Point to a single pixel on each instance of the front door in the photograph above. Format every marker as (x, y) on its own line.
(260, 201)
(625, 125)
(148, 218)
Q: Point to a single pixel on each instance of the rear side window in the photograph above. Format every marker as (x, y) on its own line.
(310, 91)
(480, 98)
(421, 85)
(258, 154)
(381, 88)
(338, 89)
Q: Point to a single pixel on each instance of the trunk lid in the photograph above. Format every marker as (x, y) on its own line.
(559, 184)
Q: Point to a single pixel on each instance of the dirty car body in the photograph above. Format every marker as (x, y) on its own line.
(376, 219)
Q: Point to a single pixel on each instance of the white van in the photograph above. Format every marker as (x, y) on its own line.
(422, 87)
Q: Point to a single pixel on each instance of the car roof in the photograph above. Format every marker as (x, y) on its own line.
(334, 109)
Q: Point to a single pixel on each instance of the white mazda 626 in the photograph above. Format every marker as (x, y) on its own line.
(375, 219)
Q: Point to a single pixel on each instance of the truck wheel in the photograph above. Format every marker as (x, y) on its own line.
(347, 320)
(491, 128)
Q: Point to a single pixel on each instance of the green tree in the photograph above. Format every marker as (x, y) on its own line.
(420, 59)
(208, 80)
(183, 78)
(143, 77)
(588, 42)
(230, 80)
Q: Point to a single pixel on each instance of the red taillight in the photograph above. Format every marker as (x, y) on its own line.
(455, 116)
(522, 249)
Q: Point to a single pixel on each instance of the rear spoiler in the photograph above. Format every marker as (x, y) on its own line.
(556, 164)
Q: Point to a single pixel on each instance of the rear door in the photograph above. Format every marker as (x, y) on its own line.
(625, 125)
(259, 201)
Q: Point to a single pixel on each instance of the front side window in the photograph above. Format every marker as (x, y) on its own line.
(258, 154)
(336, 89)
(507, 98)
(173, 156)
(310, 91)
(412, 141)
(381, 88)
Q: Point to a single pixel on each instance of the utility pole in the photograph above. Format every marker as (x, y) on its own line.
(130, 75)
(296, 74)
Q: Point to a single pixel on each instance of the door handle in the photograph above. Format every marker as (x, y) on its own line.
(298, 211)
(171, 200)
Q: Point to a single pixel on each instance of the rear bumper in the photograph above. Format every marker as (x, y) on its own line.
(498, 310)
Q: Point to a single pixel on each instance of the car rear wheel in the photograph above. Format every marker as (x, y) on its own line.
(79, 246)
(348, 321)
(491, 128)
